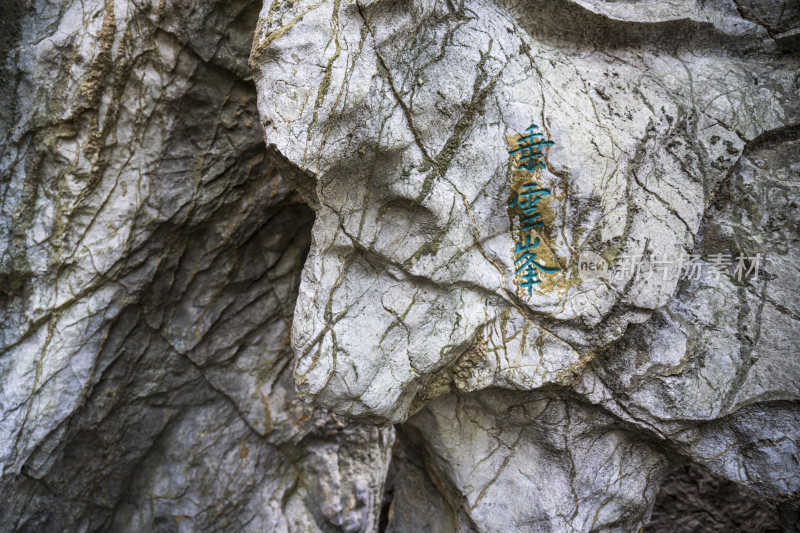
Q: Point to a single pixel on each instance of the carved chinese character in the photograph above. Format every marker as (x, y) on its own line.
(528, 264)
(530, 148)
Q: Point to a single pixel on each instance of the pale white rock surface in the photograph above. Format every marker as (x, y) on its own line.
(257, 262)
(676, 136)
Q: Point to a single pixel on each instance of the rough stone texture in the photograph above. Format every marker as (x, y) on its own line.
(150, 256)
(155, 320)
(511, 461)
(694, 499)
(676, 132)
(411, 182)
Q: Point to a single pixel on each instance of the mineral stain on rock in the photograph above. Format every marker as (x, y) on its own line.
(259, 266)
(530, 214)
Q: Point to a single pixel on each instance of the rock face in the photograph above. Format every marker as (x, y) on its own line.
(150, 255)
(694, 499)
(208, 204)
(675, 131)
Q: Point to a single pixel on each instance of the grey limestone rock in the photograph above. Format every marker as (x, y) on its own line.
(558, 409)
(149, 256)
(255, 260)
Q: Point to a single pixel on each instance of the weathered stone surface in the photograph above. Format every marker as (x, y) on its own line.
(150, 255)
(536, 462)
(710, 371)
(694, 499)
(672, 122)
(406, 142)
(155, 321)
